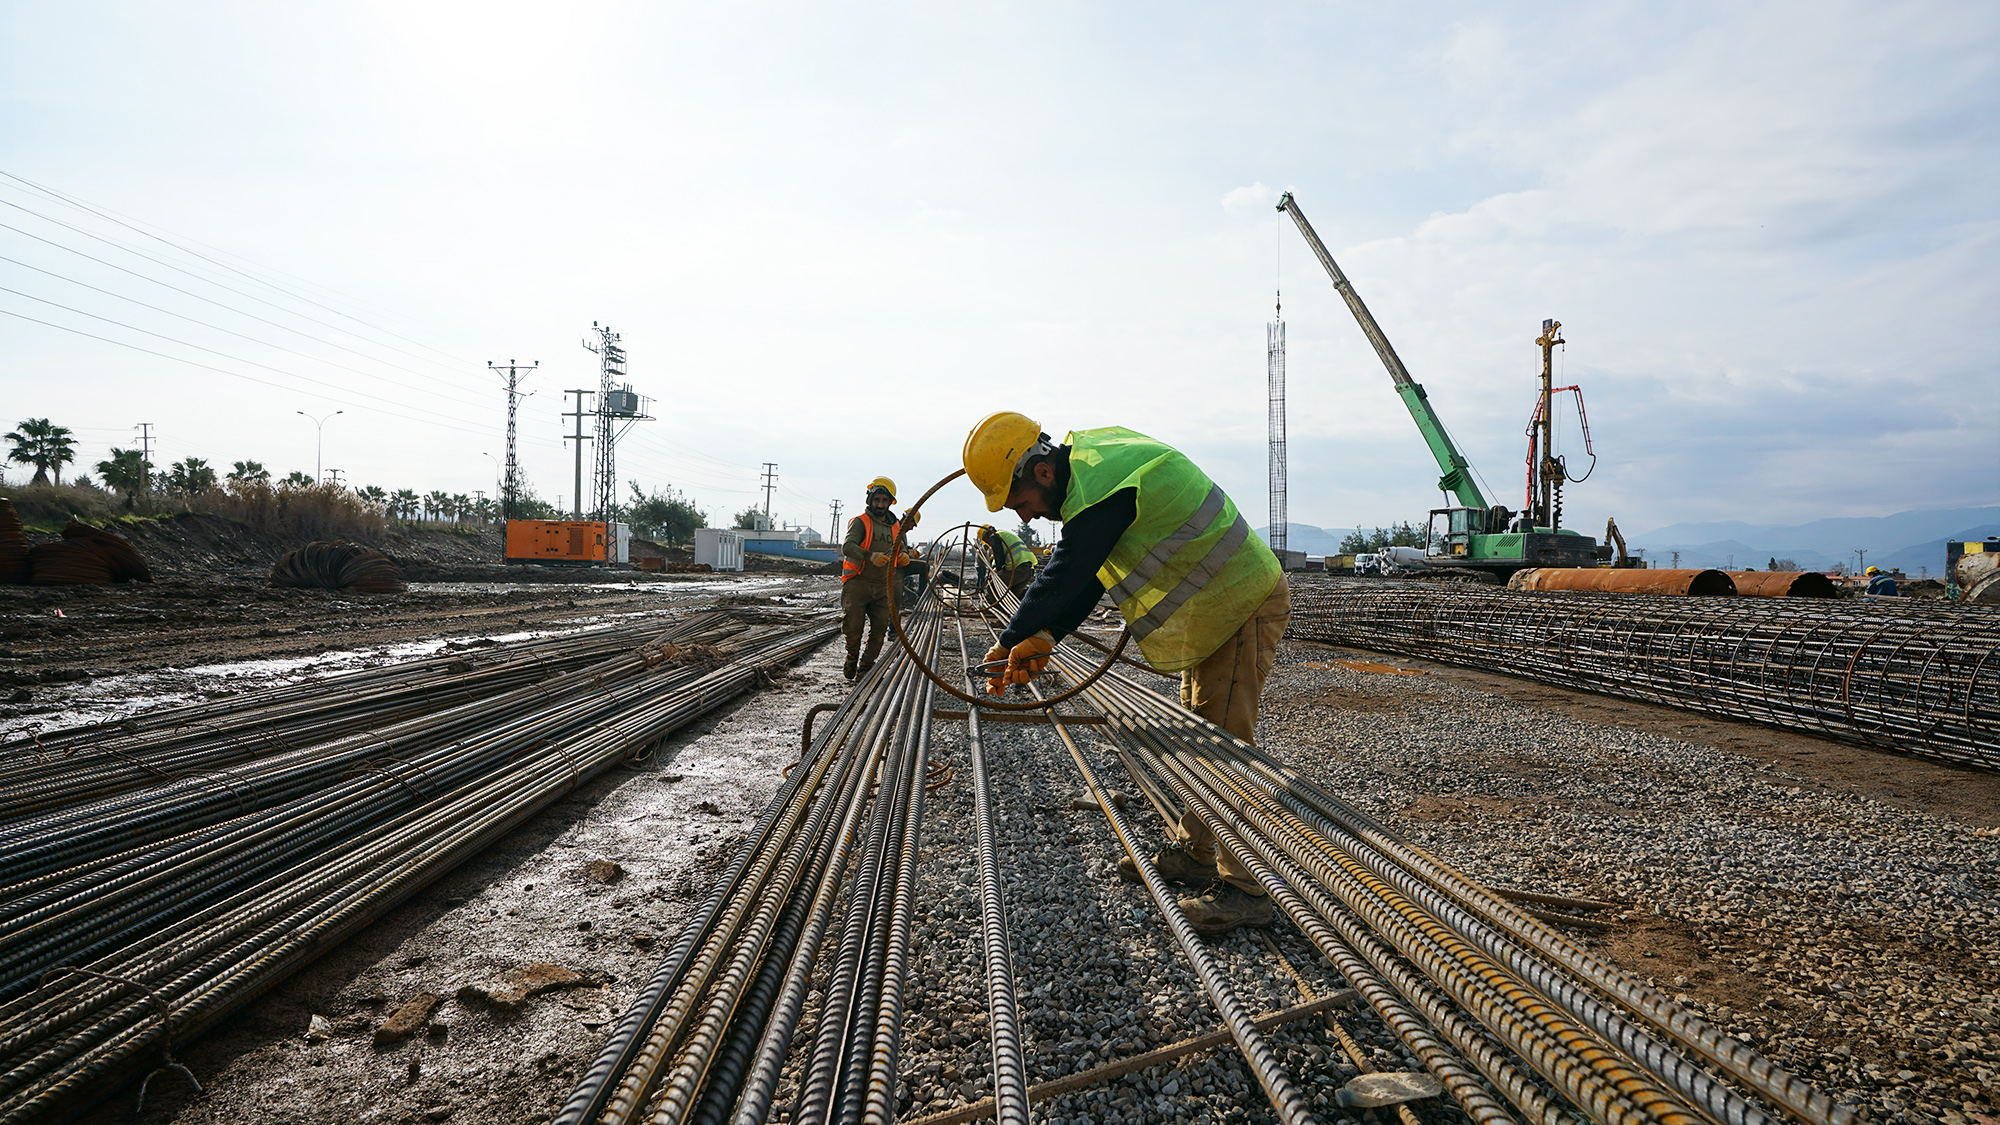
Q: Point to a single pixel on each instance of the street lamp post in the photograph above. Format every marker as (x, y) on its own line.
(319, 442)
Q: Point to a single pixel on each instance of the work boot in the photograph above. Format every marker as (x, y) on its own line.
(1225, 907)
(865, 665)
(1176, 864)
(849, 671)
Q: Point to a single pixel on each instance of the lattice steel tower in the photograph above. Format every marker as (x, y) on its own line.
(1275, 361)
(510, 491)
(615, 403)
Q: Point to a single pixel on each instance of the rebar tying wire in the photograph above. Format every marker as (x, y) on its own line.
(167, 1060)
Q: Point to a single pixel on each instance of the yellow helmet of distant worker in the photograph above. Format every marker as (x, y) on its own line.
(1873, 570)
(993, 451)
(886, 485)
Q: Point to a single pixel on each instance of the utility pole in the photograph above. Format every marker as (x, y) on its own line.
(1677, 560)
(770, 482)
(835, 537)
(145, 457)
(335, 474)
(511, 489)
(579, 438)
(1860, 560)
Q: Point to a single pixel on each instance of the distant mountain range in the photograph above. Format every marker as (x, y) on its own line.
(1310, 539)
(1912, 542)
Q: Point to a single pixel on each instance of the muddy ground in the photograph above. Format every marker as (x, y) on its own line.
(574, 910)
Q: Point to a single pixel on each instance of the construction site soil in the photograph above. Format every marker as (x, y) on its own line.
(1836, 906)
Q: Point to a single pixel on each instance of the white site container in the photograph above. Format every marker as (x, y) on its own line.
(621, 539)
(719, 548)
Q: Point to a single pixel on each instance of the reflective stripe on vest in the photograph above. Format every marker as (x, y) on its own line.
(1018, 553)
(848, 567)
(1188, 572)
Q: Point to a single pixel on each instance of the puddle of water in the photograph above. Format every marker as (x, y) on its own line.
(112, 698)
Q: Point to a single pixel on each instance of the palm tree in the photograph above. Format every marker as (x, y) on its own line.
(297, 479)
(125, 472)
(403, 503)
(44, 445)
(461, 506)
(438, 503)
(373, 494)
(191, 476)
(249, 471)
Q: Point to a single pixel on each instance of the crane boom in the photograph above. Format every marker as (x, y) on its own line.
(1457, 478)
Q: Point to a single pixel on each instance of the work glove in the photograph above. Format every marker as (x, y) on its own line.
(879, 558)
(903, 559)
(1027, 658)
(997, 683)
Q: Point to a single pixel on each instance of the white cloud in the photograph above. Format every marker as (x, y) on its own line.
(1254, 197)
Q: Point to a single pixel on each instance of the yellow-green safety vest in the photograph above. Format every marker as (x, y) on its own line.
(1188, 573)
(1018, 553)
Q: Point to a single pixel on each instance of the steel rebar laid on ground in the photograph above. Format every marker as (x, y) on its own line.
(84, 1027)
(1491, 1000)
(1917, 677)
(51, 769)
(829, 869)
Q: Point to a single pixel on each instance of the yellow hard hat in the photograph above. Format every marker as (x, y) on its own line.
(1873, 570)
(886, 485)
(993, 450)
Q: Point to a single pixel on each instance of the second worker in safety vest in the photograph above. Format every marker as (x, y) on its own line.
(867, 568)
(1202, 595)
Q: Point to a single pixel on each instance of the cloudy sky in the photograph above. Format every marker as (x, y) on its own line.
(834, 236)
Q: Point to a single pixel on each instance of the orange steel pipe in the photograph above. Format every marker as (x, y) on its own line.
(1620, 580)
(1782, 583)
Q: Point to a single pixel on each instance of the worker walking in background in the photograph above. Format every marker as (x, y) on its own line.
(1015, 562)
(867, 566)
(1202, 595)
(1880, 584)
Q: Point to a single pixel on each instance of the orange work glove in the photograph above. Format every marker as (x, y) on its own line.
(879, 559)
(1029, 657)
(997, 683)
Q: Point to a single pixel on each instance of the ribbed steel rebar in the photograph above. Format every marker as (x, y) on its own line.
(70, 1038)
(1917, 677)
(1432, 933)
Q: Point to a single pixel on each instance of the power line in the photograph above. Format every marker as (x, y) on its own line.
(78, 203)
(226, 331)
(208, 280)
(224, 370)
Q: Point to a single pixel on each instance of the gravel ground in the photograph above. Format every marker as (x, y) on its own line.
(1842, 932)
(1833, 906)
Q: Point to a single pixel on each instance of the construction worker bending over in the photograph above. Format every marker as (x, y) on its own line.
(1880, 584)
(866, 569)
(1016, 563)
(1202, 595)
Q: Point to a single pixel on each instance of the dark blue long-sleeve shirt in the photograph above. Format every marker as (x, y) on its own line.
(1067, 588)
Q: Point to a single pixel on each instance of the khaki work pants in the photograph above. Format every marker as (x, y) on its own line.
(1223, 689)
(863, 600)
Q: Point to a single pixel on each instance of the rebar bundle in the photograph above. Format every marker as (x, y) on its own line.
(117, 944)
(1518, 1021)
(1915, 677)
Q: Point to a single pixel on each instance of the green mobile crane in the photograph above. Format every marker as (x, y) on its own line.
(1472, 533)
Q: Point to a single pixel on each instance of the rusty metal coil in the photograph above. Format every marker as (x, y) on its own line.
(339, 565)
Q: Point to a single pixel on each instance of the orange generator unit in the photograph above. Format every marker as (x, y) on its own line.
(576, 542)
